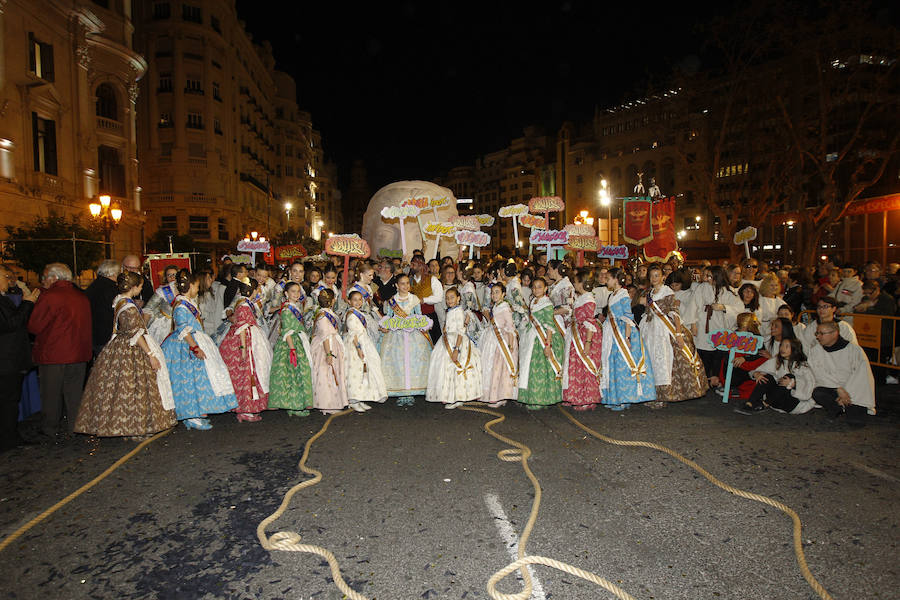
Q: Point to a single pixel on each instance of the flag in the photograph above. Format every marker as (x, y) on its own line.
(664, 242)
(636, 227)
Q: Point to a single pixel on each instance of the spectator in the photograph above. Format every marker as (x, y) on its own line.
(780, 328)
(848, 292)
(225, 270)
(132, 263)
(876, 302)
(749, 269)
(798, 293)
(844, 382)
(101, 294)
(785, 381)
(61, 324)
(826, 312)
(238, 273)
(14, 356)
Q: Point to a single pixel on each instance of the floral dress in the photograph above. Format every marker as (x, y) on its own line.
(448, 381)
(290, 387)
(406, 353)
(365, 378)
(499, 345)
(369, 310)
(250, 372)
(124, 396)
(199, 386)
(540, 377)
(329, 385)
(582, 370)
(627, 372)
(159, 307)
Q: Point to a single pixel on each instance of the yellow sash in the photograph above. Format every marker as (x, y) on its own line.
(460, 370)
(579, 349)
(692, 357)
(510, 363)
(545, 342)
(637, 368)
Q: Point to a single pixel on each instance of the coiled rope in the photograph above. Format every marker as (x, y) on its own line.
(289, 541)
(21, 530)
(798, 540)
(520, 453)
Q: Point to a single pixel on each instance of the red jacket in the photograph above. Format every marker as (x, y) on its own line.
(61, 324)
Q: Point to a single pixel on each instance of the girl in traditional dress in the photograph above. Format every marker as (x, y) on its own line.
(200, 381)
(159, 307)
(365, 379)
(329, 282)
(677, 368)
(454, 374)
(327, 358)
(627, 372)
(364, 275)
(561, 293)
(541, 352)
(515, 296)
(405, 353)
(248, 356)
(128, 391)
(290, 385)
(584, 351)
(499, 346)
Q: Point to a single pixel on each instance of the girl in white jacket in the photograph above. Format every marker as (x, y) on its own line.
(784, 382)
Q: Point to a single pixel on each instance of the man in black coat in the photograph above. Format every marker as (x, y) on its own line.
(132, 262)
(101, 293)
(15, 357)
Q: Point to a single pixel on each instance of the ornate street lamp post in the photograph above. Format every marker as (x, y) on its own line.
(109, 216)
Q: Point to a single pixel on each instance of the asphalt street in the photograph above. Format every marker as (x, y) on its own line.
(415, 504)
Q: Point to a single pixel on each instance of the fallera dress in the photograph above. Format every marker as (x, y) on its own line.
(159, 307)
(540, 377)
(405, 354)
(627, 370)
(290, 387)
(450, 382)
(329, 381)
(499, 345)
(582, 370)
(124, 396)
(199, 386)
(250, 372)
(365, 378)
(369, 310)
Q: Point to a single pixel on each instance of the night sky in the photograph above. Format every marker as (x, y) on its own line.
(415, 88)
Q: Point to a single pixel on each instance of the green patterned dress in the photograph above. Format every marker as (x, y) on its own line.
(290, 387)
(540, 382)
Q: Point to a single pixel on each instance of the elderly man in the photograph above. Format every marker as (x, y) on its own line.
(844, 382)
(429, 290)
(101, 294)
(14, 356)
(61, 324)
(132, 262)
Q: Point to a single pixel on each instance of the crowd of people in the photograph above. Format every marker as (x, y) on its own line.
(123, 359)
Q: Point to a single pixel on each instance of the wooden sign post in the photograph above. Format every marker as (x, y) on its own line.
(515, 211)
(401, 213)
(253, 246)
(347, 245)
(733, 341)
(745, 236)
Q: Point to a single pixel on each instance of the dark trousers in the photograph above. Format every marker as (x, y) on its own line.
(776, 396)
(712, 361)
(10, 394)
(60, 384)
(827, 399)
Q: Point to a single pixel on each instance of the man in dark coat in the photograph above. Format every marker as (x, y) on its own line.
(61, 324)
(101, 294)
(15, 357)
(132, 262)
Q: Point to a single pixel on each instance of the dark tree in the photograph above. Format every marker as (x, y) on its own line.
(48, 240)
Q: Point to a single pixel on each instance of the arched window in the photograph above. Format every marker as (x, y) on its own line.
(107, 106)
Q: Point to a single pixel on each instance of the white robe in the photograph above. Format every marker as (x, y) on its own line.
(803, 376)
(847, 368)
(807, 334)
(705, 295)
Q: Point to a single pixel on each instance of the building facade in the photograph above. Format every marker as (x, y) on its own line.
(68, 87)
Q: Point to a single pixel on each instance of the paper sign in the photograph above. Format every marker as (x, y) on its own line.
(472, 238)
(400, 212)
(347, 245)
(238, 259)
(546, 204)
(419, 322)
(745, 235)
(286, 253)
(549, 237)
(580, 230)
(465, 222)
(424, 202)
(533, 221)
(253, 246)
(485, 220)
(613, 252)
(739, 341)
(513, 210)
(868, 331)
(434, 228)
(583, 243)
(386, 253)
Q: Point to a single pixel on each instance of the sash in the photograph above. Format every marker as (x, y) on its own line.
(637, 368)
(167, 293)
(692, 357)
(395, 306)
(592, 368)
(295, 311)
(188, 305)
(460, 370)
(545, 342)
(367, 297)
(331, 318)
(359, 316)
(507, 354)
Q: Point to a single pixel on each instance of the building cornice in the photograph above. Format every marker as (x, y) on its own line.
(134, 60)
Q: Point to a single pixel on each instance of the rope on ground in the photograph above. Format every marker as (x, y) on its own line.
(798, 540)
(520, 453)
(19, 532)
(290, 541)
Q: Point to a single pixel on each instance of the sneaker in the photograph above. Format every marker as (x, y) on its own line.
(720, 391)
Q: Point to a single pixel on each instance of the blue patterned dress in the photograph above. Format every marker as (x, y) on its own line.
(625, 382)
(405, 354)
(199, 387)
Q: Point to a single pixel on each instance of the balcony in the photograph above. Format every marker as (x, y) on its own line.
(109, 125)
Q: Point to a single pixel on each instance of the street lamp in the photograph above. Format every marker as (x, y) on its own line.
(605, 201)
(109, 216)
(287, 208)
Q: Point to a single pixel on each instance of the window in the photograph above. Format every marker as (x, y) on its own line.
(526, 184)
(216, 92)
(168, 224)
(106, 105)
(165, 82)
(223, 228)
(198, 225)
(111, 171)
(165, 120)
(165, 149)
(44, 139)
(191, 13)
(214, 23)
(193, 86)
(162, 10)
(195, 121)
(288, 171)
(40, 58)
(217, 126)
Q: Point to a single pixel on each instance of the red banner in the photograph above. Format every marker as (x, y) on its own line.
(664, 242)
(159, 262)
(636, 228)
(289, 253)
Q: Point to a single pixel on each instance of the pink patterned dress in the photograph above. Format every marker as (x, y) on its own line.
(250, 374)
(581, 372)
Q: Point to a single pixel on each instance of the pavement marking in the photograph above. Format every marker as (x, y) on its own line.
(874, 471)
(511, 540)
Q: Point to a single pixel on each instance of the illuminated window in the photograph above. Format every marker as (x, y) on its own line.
(40, 58)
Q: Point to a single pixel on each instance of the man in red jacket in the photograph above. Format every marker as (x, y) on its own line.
(61, 324)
